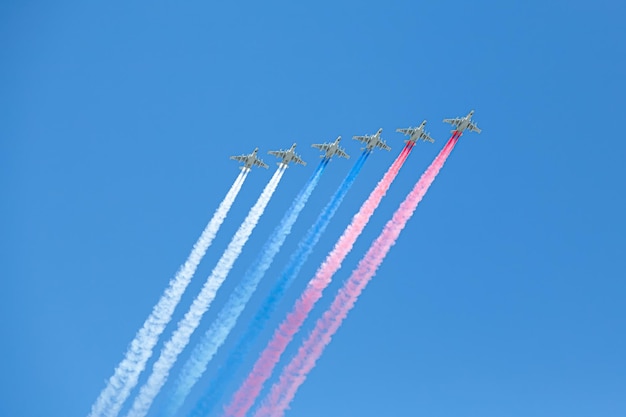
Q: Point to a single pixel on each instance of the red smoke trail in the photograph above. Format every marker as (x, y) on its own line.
(247, 393)
(296, 371)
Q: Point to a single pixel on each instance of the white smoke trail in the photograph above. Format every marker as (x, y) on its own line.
(227, 318)
(189, 323)
(127, 372)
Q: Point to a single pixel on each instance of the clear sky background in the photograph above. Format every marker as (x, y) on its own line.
(504, 296)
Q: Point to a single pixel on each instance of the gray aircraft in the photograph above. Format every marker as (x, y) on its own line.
(372, 141)
(250, 160)
(288, 155)
(416, 133)
(462, 123)
(331, 149)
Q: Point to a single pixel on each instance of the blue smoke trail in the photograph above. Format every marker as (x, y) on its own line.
(214, 393)
(213, 339)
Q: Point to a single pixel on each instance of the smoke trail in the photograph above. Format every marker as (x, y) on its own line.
(218, 384)
(190, 322)
(262, 370)
(227, 318)
(296, 371)
(127, 372)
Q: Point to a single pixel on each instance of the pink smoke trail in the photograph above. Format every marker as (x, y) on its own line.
(295, 373)
(247, 393)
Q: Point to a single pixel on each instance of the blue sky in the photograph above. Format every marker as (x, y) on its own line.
(505, 293)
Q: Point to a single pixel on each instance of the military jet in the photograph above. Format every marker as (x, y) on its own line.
(331, 148)
(288, 155)
(249, 160)
(372, 141)
(462, 123)
(416, 133)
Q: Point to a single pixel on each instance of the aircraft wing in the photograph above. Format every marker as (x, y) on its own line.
(240, 158)
(474, 128)
(362, 138)
(384, 146)
(405, 131)
(454, 122)
(427, 137)
(321, 146)
(298, 160)
(342, 154)
(279, 154)
(260, 163)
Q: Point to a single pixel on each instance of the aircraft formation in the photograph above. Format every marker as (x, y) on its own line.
(371, 142)
(122, 383)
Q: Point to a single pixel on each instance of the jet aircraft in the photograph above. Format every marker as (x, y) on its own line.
(462, 123)
(331, 149)
(416, 133)
(249, 160)
(372, 141)
(288, 155)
